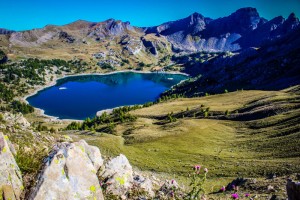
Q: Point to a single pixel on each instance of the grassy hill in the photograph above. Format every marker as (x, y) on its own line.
(244, 134)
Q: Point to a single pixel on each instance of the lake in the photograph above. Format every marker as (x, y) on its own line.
(79, 97)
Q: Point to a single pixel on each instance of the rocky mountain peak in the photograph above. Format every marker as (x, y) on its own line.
(293, 17)
(292, 21)
(196, 17)
(5, 31)
(247, 11)
(246, 18)
(79, 24)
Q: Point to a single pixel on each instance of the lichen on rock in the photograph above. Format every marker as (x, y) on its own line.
(69, 172)
(11, 184)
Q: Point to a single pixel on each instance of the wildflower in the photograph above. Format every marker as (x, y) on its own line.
(172, 194)
(197, 168)
(247, 195)
(235, 196)
(223, 189)
(233, 187)
(206, 170)
(173, 182)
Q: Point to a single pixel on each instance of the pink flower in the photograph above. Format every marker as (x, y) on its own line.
(206, 170)
(235, 196)
(223, 189)
(197, 167)
(173, 182)
(172, 194)
(247, 195)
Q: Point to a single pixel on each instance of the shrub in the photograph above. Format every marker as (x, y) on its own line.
(227, 112)
(22, 107)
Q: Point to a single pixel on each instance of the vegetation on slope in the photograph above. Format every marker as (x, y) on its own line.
(244, 134)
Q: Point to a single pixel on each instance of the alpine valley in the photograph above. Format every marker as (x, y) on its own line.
(227, 97)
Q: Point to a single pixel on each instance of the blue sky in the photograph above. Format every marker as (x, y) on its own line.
(28, 14)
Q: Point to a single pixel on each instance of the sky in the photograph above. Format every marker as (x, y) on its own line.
(29, 14)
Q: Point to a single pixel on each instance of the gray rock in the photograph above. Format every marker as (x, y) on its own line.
(119, 175)
(70, 172)
(11, 185)
(143, 183)
(16, 119)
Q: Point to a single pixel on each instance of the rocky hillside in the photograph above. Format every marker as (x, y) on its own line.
(244, 28)
(273, 66)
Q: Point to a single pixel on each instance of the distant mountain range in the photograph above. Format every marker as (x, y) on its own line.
(243, 28)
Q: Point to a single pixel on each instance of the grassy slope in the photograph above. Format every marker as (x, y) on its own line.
(229, 148)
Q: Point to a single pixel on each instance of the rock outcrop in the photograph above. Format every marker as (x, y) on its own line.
(11, 185)
(144, 184)
(15, 119)
(70, 172)
(119, 176)
(293, 190)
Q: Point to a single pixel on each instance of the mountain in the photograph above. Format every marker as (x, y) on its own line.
(5, 31)
(197, 33)
(242, 28)
(273, 66)
(122, 41)
(270, 30)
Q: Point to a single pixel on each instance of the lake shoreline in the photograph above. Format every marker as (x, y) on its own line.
(41, 112)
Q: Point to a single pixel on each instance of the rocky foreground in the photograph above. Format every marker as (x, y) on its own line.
(72, 171)
(77, 171)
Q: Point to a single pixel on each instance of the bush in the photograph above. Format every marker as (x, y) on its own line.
(3, 57)
(22, 107)
(227, 112)
(5, 93)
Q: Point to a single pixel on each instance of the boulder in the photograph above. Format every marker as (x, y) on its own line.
(293, 190)
(16, 119)
(118, 175)
(70, 172)
(11, 184)
(145, 184)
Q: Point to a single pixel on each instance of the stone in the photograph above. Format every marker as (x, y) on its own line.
(270, 188)
(143, 183)
(70, 172)
(119, 175)
(293, 190)
(168, 189)
(16, 119)
(11, 184)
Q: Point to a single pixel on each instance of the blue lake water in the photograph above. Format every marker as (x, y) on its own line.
(80, 97)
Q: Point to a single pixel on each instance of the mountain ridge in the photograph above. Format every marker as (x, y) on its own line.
(242, 29)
